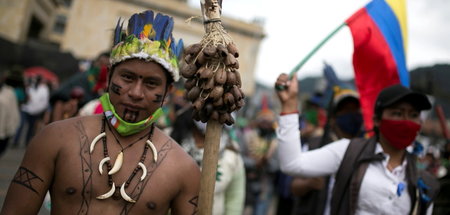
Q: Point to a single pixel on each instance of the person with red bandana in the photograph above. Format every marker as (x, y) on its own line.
(377, 175)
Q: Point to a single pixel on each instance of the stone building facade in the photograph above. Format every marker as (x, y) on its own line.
(85, 27)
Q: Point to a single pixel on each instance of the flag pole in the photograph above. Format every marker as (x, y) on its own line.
(315, 49)
(311, 53)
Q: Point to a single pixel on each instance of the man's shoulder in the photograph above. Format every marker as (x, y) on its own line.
(66, 127)
(60, 136)
(168, 142)
(86, 120)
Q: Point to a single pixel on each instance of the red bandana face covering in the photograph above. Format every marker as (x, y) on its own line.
(399, 133)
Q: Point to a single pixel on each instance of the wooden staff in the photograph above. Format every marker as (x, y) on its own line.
(211, 10)
(213, 85)
(209, 167)
(218, 82)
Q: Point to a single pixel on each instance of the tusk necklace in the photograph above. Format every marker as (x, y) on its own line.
(119, 158)
(114, 190)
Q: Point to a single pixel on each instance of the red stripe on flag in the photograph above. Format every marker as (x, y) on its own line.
(373, 62)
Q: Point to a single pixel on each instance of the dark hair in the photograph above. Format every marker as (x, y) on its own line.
(182, 126)
(58, 96)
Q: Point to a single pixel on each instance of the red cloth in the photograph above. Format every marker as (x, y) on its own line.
(373, 62)
(101, 82)
(98, 108)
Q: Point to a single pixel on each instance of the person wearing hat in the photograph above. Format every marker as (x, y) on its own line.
(117, 162)
(372, 176)
(346, 118)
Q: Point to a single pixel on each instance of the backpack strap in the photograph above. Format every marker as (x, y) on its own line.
(422, 186)
(358, 149)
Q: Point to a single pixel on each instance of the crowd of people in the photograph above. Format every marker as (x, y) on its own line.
(124, 142)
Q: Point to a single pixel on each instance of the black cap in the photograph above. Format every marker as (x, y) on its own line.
(392, 94)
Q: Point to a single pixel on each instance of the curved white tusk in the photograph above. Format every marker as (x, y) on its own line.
(117, 164)
(109, 193)
(91, 148)
(100, 166)
(155, 153)
(124, 195)
(144, 170)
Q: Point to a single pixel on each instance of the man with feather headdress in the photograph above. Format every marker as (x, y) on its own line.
(117, 162)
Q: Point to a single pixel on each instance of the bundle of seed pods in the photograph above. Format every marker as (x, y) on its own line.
(213, 83)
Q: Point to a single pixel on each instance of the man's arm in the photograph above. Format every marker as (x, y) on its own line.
(186, 202)
(34, 175)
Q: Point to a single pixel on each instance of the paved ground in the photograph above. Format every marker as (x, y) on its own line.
(9, 162)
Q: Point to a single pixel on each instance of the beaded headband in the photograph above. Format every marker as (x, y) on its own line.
(148, 37)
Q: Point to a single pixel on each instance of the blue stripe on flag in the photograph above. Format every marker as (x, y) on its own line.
(389, 26)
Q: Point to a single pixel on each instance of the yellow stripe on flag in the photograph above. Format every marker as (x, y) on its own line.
(399, 9)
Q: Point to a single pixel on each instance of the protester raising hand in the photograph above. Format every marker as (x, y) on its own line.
(377, 175)
(287, 91)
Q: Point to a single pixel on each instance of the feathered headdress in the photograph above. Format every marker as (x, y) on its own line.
(150, 38)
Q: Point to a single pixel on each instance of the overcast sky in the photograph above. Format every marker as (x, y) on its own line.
(295, 27)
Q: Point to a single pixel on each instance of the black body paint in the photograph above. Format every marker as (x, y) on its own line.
(115, 88)
(194, 201)
(158, 98)
(133, 115)
(25, 177)
(86, 169)
(139, 188)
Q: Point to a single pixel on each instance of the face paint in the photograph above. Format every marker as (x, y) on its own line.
(115, 88)
(158, 98)
(130, 116)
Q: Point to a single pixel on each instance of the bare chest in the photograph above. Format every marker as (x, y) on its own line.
(83, 183)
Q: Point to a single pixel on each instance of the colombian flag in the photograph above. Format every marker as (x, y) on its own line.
(379, 37)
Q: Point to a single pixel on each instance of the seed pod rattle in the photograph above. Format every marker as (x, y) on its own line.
(213, 80)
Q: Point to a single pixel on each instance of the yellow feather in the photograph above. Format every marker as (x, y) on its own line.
(148, 31)
(168, 44)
